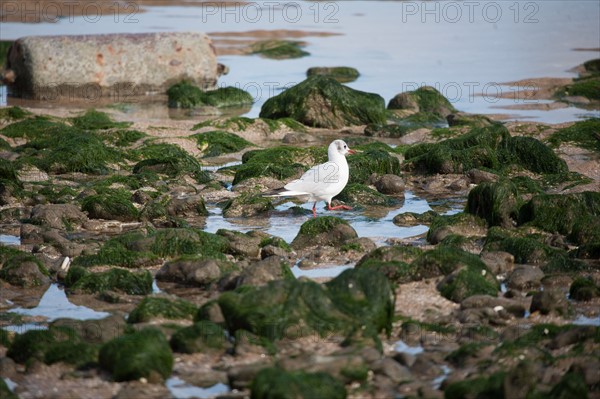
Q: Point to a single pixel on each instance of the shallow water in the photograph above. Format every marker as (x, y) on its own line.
(582, 320)
(10, 240)
(53, 305)
(402, 347)
(465, 50)
(182, 390)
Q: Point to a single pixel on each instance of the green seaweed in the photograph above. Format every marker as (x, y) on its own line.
(155, 307)
(360, 194)
(96, 120)
(341, 74)
(305, 101)
(79, 279)
(497, 203)
(203, 336)
(137, 355)
(271, 383)
(584, 134)
(186, 95)
(316, 226)
(278, 49)
(14, 112)
(584, 289)
(112, 205)
(531, 154)
(218, 142)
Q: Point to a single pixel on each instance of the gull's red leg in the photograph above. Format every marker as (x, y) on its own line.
(334, 208)
(315, 209)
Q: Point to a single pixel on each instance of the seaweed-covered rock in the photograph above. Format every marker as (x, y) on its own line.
(525, 277)
(245, 245)
(341, 74)
(94, 120)
(414, 219)
(269, 269)
(218, 142)
(465, 119)
(278, 49)
(393, 261)
(497, 203)
(479, 387)
(359, 194)
(186, 95)
(144, 353)
(371, 160)
(247, 204)
(462, 224)
(320, 101)
(550, 301)
(277, 383)
(531, 154)
(357, 303)
(203, 336)
(587, 87)
(324, 230)
(167, 159)
(584, 289)
(80, 279)
(442, 261)
(425, 99)
(111, 205)
(582, 134)
(57, 344)
(200, 272)
(57, 216)
(164, 308)
(467, 281)
(562, 213)
(22, 268)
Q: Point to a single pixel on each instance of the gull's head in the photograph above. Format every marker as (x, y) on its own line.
(340, 147)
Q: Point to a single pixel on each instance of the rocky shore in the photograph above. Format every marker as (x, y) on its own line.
(501, 299)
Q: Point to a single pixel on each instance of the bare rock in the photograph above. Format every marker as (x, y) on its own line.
(58, 216)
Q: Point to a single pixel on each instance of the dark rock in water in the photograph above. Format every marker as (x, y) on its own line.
(22, 268)
(144, 353)
(192, 205)
(525, 277)
(497, 203)
(65, 246)
(95, 331)
(154, 307)
(324, 230)
(320, 101)
(115, 279)
(201, 272)
(584, 289)
(361, 195)
(186, 95)
(278, 49)
(341, 74)
(105, 64)
(389, 184)
(357, 304)
(414, 219)
(57, 215)
(425, 99)
(461, 224)
(550, 301)
(203, 336)
(269, 269)
(277, 383)
(247, 205)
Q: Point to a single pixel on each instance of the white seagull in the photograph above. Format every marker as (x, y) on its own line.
(322, 182)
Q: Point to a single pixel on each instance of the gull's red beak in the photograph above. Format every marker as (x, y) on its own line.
(351, 151)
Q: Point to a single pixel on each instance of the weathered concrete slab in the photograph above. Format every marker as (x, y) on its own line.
(119, 65)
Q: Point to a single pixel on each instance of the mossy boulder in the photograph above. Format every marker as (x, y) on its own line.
(584, 289)
(142, 354)
(14, 112)
(278, 162)
(473, 279)
(167, 159)
(273, 383)
(278, 49)
(531, 154)
(320, 101)
(193, 271)
(465, 119)
(151, 308)
(203, 336)
(526, 248)
(479, 387)
(21, 268)
(324, 230)
(414, 219)
(110, 205)
(425, 99)
(584, 134)
(497, 203)
(247, 204)
(57, 344)
(442, 261)
(562, 213)
(362, 195)
(81, 280)
(371, 160)
(186, 95)
(462, 224)
(218, 142)
(341, 74)
(94, 120)
(587, 87)
(356, 304)
(393, 262)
